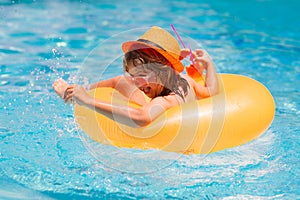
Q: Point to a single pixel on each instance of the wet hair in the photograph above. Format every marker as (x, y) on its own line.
(152, 60)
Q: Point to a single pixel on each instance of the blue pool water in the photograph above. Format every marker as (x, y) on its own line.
(44, 155)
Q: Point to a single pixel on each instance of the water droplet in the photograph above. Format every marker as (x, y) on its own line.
(54, 51)
(61, 44)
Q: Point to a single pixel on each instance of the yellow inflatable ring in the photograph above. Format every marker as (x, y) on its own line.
(241, 112)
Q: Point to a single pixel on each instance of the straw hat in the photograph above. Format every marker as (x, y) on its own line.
(160, 40)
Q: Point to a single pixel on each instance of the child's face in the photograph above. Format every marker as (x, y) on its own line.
(146, 80)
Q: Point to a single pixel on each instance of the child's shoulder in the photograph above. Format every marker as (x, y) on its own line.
(190, 80)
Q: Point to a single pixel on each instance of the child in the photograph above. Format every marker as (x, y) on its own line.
(151, 66)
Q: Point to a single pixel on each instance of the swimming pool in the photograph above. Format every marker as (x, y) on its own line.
(45, 156)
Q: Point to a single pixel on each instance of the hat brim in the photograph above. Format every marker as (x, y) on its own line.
(134, 45)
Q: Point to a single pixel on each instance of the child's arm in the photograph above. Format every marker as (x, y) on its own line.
(130, 116)
(112, 82)
(202, 61)
(120, 83)
(124, 87)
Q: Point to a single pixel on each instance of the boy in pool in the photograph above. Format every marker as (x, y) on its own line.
(151, 66)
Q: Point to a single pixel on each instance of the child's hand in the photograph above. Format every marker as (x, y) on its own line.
(78, 94)
(200, 59)
(60, 86)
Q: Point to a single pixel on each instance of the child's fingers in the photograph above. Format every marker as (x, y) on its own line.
(201, 62)
(68, 97)
(200, 52)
